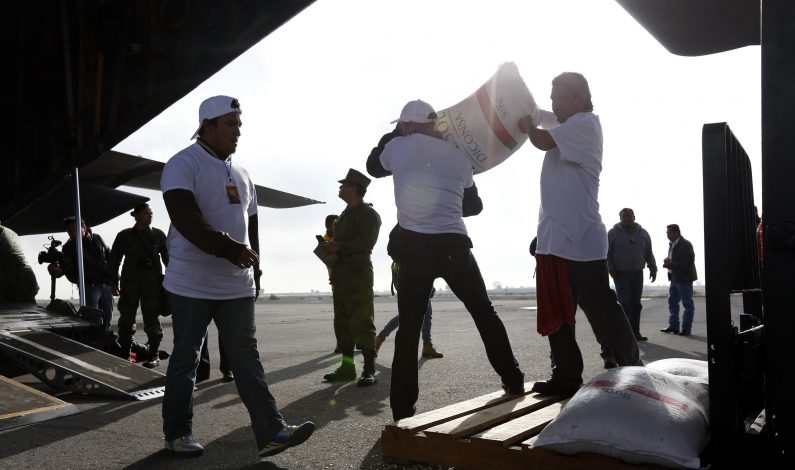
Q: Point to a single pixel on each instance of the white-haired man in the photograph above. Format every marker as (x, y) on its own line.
(571, 254)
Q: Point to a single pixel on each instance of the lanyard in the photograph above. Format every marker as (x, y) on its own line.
(209, 150)
(229, 169)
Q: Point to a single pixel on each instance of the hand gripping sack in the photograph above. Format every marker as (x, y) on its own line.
(484, 125)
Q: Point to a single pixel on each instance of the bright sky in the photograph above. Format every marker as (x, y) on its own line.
(318, 93)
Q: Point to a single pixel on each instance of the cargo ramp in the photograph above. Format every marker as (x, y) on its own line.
(68, 365)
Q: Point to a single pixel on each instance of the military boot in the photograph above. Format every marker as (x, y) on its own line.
(152, 358)
(368, 374)
(124, 350)
(140, 350)
(344, 373)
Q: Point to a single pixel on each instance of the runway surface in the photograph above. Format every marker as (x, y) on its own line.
(296, 342)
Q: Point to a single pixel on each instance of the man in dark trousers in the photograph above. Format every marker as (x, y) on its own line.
(355, 234)
(681, 266)
(434, 190)
(571, 256)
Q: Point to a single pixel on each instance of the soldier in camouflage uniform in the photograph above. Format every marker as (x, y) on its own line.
(355, 234)
(142, 247)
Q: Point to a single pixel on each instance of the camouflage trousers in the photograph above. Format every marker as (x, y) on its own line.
(353, 315)
(145, 289)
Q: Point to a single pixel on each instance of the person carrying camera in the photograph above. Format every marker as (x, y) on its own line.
(142, 248)
(95, 261)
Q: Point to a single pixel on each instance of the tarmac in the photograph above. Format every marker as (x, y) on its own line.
(296, 343)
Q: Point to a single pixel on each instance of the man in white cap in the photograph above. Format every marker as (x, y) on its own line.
(213, 275)
(434, 189)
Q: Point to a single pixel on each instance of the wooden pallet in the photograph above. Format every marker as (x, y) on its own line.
(492, 431)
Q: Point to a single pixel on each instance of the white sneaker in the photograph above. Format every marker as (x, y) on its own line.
(185, 446)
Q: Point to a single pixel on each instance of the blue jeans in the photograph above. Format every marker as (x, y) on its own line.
(680, 292)
(392, 324)
(235, 321)
(100, 296)
(629, 287)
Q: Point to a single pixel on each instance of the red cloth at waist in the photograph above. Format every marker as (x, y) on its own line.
(553, 294)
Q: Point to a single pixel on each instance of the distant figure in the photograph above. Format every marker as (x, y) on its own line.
(681, 272)
(434, 190)
(17, 279)
(355, 234)
(571, 252)
(141, 281)
(95, 267)
(213, 275)
(628, 252)
(331, 219)
(428, 350)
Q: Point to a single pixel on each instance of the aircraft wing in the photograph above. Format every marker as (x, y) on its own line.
(85, 75)
(117, 168)
(689, 28)
(101, 202)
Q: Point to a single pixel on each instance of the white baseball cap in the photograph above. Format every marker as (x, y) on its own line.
(216, 106)
(417, 111)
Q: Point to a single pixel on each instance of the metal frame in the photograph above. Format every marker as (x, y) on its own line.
(778, 197)
(732, 266)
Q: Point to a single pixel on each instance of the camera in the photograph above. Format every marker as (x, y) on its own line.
(52, 254)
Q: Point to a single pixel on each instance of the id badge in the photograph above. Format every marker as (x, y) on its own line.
(232, 194)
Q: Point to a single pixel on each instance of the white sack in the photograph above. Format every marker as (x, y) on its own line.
(484, 125)
(693, 368)
(636, 414)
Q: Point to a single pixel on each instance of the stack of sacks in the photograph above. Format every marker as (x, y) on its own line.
(657, 414)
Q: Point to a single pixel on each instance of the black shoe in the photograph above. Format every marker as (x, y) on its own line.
(228, 376)
(140, 350)
(640, 337)
(163, 355)
(554, 387)
(610, 363)
(684, 333)
(366, 379)
(151, 362)
(514, 387)
(670, 330)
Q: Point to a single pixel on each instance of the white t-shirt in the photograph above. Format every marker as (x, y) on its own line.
(191, 272)
(569, 224)
(429, 175)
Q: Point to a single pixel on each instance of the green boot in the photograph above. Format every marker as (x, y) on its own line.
(344, 373)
